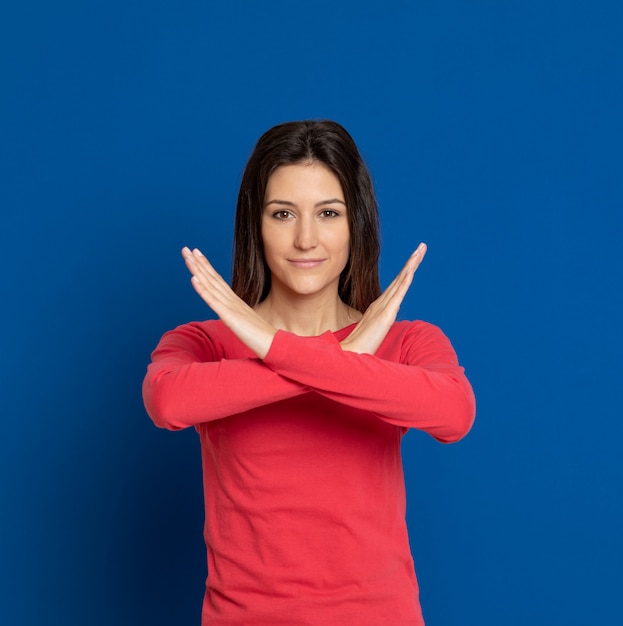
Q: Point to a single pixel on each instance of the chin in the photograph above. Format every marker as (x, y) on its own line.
(312, 289)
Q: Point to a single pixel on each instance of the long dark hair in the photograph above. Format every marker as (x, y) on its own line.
(294, 142)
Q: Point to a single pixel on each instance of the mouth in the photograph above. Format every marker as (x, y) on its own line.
(305, 263)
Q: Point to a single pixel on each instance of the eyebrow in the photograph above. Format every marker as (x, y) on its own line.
(318, 204)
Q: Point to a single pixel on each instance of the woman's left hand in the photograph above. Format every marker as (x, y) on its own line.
(236, 314)
(381, 314)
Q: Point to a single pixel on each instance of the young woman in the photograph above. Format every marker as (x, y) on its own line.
(301, 392)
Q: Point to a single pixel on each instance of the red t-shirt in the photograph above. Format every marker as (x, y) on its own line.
(304, 487)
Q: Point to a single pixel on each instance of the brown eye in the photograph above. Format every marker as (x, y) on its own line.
(330, 213)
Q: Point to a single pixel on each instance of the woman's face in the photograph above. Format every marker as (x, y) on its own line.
(305, 229)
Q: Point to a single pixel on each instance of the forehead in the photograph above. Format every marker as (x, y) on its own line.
(303, 180)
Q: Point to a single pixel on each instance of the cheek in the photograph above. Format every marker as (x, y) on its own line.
(268, 239)
(273, 246)
(342, 243)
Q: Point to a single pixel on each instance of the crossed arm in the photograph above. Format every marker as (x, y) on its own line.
(190, 382)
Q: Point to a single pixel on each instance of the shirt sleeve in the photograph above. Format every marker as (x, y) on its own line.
(190, 382)
(426, 389)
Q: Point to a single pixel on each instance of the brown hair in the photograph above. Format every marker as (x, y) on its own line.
(294, 142)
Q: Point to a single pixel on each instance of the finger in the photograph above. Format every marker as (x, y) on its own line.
(212, 294)
(416, 258)
(207, 283)
(405, 276)
(204, 271)
(202, 263)
(411, 265)
(392, 297)
(413, 262)
(215, 290)
(198, 271)
(194, 255)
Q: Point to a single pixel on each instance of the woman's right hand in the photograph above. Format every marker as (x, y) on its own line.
(236, 314)
(381, 314)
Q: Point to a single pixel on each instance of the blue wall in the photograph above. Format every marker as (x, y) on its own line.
(494, 133)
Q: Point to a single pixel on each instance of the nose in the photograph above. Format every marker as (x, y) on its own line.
(306, 235)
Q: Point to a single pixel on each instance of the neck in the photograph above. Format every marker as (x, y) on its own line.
(306, 315)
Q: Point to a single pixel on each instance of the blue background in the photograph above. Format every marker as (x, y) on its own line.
(493, 131)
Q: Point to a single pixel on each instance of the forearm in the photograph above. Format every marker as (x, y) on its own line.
(433, 396)
(178, 395)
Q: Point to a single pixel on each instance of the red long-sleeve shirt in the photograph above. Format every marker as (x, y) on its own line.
(304, 488)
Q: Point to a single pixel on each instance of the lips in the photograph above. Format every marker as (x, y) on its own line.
(305, 263)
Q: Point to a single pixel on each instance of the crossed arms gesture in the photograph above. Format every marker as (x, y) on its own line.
(258, 334)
